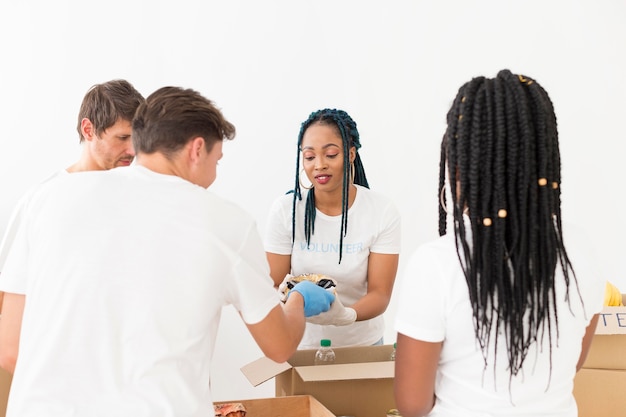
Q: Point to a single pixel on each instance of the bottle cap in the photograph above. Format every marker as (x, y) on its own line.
(325, 342)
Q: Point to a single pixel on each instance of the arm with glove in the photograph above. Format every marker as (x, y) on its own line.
(280, 332)
(337, 315)
(381, 275)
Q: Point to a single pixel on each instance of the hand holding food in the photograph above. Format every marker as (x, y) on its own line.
(320, 280)
(316, 299)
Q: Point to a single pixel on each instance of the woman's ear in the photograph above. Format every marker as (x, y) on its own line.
(352, 154)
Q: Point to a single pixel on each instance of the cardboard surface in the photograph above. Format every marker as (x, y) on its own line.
(613, 320)
(5, 385)
(346, 371)
(600, 392)
(607, 352)
(263, 369)
(360, 383)
(600, 386)
(292, 406)
(608, 347)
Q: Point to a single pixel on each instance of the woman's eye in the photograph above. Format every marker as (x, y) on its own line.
(332, 156)
(309, 158)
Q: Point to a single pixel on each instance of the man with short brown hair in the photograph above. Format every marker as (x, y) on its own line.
(126, 273)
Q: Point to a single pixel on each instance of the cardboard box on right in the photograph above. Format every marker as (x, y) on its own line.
(600, 386)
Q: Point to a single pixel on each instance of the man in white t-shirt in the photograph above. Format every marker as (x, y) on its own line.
(104, 130)
(116, 280)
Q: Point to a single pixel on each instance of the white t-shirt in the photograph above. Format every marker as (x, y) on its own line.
(373, 226)
(434, 306)
(15, 219)
(126, 272)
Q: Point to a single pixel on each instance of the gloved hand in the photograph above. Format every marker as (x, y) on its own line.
(316, 299)
(338, 315)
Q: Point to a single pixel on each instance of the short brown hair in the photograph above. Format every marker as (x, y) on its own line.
(104, 104)
(172, 116)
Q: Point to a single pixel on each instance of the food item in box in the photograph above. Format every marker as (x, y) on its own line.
(230, 410)
(612, 295)
(322, 280)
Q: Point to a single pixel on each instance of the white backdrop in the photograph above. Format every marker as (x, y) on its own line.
(394, 66)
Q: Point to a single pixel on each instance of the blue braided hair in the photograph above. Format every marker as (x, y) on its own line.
(349, 138)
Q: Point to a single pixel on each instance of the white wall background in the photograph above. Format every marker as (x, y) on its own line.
(394, 66)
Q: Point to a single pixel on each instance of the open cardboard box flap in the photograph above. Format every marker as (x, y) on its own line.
(264, 369)
(364, 362)
(346, 371)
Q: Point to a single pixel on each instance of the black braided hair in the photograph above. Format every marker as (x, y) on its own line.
(501, 154)
(349, 138)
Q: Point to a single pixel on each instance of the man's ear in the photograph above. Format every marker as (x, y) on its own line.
(196, 149)
(87, 130)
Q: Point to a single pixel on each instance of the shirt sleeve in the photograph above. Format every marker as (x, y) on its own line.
(14, 253)
(421, 303)
(389, 239)
(254, 289)
(278, 235)
(11, 232)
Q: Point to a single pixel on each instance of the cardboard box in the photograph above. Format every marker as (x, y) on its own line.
(600, 392)
(607, 352)
(359, 383)
(5, 386)
(293, 406)
(599, 385)
(609, 342)
(613, 319)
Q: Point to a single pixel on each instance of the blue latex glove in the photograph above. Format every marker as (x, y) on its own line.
(316, 299)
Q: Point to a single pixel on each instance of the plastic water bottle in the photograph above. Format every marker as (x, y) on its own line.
(325, 355)
(393, 352)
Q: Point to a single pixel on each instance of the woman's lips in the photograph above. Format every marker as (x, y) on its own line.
(322, 179)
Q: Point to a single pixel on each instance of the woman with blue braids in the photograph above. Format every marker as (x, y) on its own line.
(338, 227)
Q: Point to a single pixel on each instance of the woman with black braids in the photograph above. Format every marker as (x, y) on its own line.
(494, 319)
(338, 227)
